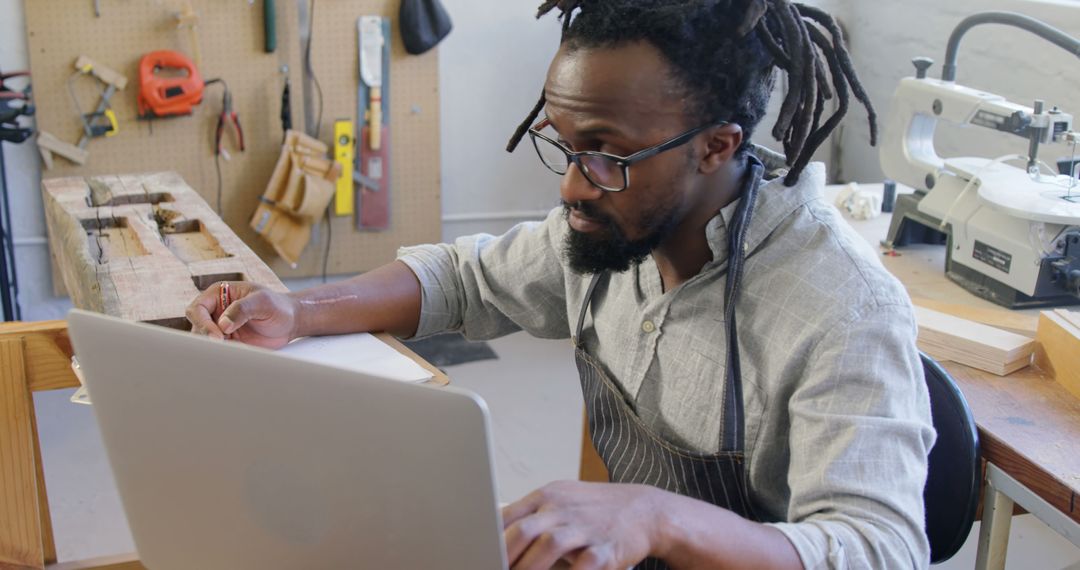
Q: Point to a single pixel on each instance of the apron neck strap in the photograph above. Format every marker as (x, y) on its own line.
(586, 304)
(732, 436)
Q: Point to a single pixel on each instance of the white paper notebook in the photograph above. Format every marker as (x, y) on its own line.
(360, 352)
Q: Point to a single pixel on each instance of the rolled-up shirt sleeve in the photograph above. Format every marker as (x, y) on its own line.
(486, 286)
(860, 435)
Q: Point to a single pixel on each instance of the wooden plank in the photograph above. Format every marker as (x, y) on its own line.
(54, 266)
(1072, 316)
(48, 539)
(51, 147)
(960, 340)
(108, 75)
(20, 534)
(1028, 426)
(1058, 350)
(48, 353)
(1020, 323)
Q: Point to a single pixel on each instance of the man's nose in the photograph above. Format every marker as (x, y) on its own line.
(575, 187)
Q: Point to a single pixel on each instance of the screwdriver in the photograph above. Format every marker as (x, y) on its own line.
(270, 25)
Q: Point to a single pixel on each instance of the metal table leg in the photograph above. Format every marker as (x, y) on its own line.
(1001, 491)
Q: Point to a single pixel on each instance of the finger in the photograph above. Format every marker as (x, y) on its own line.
(523, 507)
(240, 312)
(549, 548)
(594, 558)
(198, 313)
(520, 535)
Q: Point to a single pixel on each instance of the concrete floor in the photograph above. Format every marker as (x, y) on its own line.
(535, 404)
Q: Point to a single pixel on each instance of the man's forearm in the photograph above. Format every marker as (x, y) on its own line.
(384, 299)
(696, 534)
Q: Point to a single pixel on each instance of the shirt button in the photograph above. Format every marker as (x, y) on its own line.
(648, 326)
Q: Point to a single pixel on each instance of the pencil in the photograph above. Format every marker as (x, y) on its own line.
(224, 297)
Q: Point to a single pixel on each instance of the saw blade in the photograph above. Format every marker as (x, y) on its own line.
(371, 47)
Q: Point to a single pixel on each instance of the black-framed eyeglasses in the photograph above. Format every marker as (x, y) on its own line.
(606, 171)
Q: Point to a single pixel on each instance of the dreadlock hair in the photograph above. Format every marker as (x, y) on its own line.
(723, 53)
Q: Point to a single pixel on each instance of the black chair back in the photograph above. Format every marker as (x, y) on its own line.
(954, 473)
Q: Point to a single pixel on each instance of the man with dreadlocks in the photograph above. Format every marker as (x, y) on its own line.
(798, 438)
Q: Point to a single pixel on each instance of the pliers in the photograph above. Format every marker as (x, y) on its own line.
(228, 115)
(14, 104)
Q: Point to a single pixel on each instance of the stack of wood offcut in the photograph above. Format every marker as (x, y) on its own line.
(1058, 353)
(946, 337)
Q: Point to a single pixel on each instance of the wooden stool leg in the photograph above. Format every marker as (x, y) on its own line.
(20, 535)
(48, 541)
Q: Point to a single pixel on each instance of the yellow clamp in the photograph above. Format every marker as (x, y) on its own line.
(114, 126)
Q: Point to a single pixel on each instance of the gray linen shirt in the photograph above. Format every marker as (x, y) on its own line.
(837, 413)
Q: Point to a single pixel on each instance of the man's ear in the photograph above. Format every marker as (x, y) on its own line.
(721, 144)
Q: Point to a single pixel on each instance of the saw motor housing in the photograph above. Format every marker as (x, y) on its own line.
(169, 85)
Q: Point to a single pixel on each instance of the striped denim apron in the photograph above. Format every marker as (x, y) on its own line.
(632, 452)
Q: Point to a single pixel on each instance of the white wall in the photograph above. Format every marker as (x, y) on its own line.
(491, 70)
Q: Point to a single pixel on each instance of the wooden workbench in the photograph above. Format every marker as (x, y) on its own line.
(1029, 426)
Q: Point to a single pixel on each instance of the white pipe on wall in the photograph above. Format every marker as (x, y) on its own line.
(496, 216)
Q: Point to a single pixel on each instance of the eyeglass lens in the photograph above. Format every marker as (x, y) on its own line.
(600, 170)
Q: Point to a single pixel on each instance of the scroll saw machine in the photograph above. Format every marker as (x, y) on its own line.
(1012, 233)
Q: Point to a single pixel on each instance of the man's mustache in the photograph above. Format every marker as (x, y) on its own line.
(586, 209)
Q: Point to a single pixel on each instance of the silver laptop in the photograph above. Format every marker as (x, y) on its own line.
(228, 456)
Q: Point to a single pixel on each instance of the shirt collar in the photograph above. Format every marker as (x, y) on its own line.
(775, 202)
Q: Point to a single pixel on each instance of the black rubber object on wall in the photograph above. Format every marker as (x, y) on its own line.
(424, 23)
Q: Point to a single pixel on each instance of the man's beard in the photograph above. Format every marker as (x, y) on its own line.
(608, 249)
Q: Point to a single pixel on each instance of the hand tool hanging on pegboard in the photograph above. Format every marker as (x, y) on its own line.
(227, 117)
(101, 122)
(373, 111)
(14, 103)
(169, 85)
(344, 155)
(269, 26)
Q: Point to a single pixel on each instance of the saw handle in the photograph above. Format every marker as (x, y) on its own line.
(375, 118)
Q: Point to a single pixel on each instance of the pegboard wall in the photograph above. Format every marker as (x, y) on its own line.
(230, 36)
